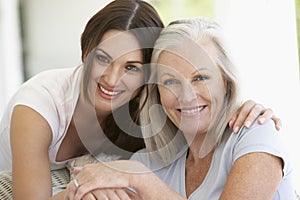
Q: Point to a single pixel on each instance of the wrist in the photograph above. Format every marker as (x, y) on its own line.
(139, 176)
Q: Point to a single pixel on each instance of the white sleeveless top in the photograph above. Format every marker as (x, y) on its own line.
(53, 94)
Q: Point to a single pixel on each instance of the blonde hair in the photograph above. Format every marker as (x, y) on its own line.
(165, 143)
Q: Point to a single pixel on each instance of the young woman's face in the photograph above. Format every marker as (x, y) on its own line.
(117, 71)
(191, 88)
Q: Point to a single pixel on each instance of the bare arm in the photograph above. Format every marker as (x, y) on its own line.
(30, 140)
(121, 174)
(254, 176)
(59, 196)
(247, 114)
(112, 193)
(102, 193)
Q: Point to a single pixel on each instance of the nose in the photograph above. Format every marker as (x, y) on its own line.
(112, 75)
(188, 93)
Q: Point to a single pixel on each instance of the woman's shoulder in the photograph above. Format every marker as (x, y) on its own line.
(54, 83)
(265, 130)
(54, 75)
(257, 138)
(51, 93)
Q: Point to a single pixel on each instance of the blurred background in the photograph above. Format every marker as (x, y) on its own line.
(39, 35)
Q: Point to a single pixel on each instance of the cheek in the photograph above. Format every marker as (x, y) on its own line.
(97, 70)
(216, 89)
(217, 95)
(167, 97)
(219, 91)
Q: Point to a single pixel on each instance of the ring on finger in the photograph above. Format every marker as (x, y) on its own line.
(76, 183)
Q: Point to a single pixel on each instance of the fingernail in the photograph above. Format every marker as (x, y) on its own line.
(261, 120)
(236, 129)
(247, 124)
(278, 127)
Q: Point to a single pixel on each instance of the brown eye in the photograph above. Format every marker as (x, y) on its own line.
(132, 68)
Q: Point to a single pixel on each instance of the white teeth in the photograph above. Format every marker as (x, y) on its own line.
(192, 110)
(109, 92)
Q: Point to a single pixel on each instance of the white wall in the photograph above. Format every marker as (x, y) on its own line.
(52, 32)
(262, 34)
(11, 74)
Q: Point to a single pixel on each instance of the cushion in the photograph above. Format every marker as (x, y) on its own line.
(60, 179)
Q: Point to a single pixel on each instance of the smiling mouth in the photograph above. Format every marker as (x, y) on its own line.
(108, 92)
(192, 111)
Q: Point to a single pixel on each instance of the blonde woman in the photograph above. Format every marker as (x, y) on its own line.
(191, 152)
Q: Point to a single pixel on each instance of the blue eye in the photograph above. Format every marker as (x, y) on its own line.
(200, 78)
(103, 59)
(170, 82)
(132, 68)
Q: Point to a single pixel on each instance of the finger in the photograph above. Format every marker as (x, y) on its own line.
(70, 191)
(234, 124)
(257, 112)
(112, 195)
(99, 194)
(87, 187)
(232, 121)
(278, 123)
(265, 115)
(248, 105)
(269, 114)
(89, 196)
(123, 194)
(133, 194)
(242, 115)
(77, 170)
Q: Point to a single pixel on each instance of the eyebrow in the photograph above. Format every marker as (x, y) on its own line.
(135, 62)
(130, 62)
(99, 49)
(167, 74)
(196, 72)
(199, 70)
(174, 76)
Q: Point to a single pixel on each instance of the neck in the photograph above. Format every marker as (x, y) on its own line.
(87, 112)
(88, 125)
(201, 146)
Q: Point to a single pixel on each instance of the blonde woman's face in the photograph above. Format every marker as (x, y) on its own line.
(117, 71)
(191, 87)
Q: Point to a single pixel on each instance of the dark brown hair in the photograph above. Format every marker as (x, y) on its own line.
(123, 15)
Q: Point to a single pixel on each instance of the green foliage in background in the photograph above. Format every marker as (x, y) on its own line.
(170, 10)
(298, 25)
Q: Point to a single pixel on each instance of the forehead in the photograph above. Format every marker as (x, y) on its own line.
(188, 57)
(117, 43)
